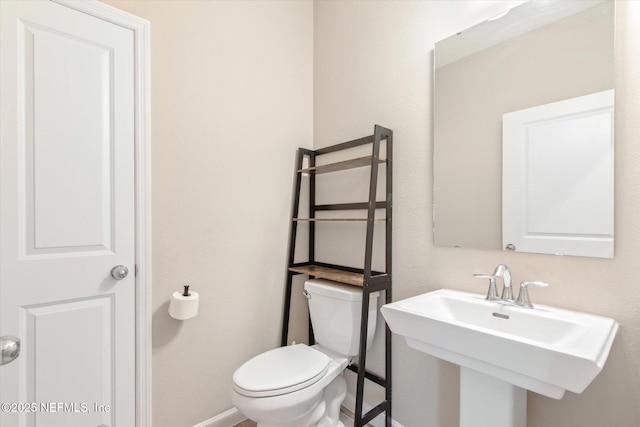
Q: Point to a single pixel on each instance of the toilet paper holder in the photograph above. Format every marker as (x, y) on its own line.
(184, 305)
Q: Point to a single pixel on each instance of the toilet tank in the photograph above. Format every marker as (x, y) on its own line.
(335, 311)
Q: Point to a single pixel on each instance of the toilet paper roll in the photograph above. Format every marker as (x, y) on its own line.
(184, 307)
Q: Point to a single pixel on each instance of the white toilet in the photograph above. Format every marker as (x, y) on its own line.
(302, 386)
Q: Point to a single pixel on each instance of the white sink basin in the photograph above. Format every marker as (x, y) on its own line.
(545, 349)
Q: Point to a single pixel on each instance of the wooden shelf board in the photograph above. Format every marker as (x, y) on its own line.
(336, 219)
(350, 206)
(341, 276)
(338, 166)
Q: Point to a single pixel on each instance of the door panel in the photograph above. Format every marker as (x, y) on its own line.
(557, 177)
(86, 368)
(67, 216)
(82, 142)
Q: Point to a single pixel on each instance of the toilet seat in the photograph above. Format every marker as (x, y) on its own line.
(280, 371)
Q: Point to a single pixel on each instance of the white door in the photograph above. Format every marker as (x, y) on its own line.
(67, 217)
(557, 177)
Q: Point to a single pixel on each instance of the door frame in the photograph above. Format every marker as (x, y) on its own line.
(142, 141)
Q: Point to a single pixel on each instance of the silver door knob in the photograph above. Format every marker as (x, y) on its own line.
(10, 347)
(119, 272)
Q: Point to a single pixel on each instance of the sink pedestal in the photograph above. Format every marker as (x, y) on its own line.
(488, 401)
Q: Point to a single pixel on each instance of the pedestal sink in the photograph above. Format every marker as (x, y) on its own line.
(503, 350)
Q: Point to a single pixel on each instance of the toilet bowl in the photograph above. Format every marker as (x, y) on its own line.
(301, 385)
(294, 386)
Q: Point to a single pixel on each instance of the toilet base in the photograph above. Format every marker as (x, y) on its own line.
(340, 424)
(326, 413)
(333, 397)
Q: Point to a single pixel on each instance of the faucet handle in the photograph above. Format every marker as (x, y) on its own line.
(492, 294)
(523, 296)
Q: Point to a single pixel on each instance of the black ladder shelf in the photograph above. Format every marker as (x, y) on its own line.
(366, 278)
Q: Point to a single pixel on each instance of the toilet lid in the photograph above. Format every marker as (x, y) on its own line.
(281, 370)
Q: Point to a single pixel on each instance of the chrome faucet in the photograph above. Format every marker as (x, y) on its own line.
(507, 290)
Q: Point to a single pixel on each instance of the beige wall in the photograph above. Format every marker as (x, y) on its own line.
(231, 101)
(373, 65)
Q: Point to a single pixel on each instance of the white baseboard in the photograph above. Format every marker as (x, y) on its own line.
(226, 419)
(349, 404)
(233, 416)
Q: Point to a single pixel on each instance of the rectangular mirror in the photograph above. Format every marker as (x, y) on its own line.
(523, 131)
